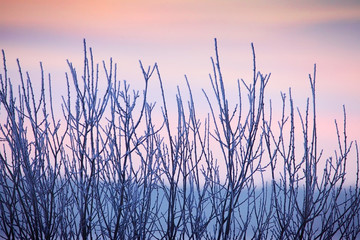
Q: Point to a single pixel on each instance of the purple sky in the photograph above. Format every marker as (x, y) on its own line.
(289, 37)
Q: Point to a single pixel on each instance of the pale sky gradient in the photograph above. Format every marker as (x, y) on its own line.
(289, 37)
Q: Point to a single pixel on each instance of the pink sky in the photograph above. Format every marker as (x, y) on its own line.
(289, 37)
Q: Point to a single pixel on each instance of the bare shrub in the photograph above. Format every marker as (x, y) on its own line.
(106, 170)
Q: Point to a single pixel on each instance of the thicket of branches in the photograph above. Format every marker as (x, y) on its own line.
(106, 170)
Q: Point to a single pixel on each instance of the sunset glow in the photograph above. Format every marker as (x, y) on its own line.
(289, 38)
